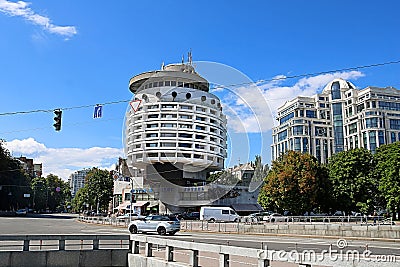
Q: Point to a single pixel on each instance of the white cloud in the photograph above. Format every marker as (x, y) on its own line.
(25, 147)
(21, 9)
(253, 108)
(64, 161)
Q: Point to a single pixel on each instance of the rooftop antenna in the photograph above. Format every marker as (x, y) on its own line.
(162, 65)
(190, 57)
(183, 59)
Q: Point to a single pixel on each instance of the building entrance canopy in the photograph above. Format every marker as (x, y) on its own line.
(126, 205)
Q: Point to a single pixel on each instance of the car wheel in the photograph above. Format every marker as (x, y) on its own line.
(236, 220)
(133, 229)
(212, 220)
(161, 231)
(273, 220)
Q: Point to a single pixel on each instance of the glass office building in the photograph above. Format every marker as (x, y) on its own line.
(342, 117)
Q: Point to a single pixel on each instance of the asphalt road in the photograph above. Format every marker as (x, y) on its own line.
(68, 224)
(53, 224)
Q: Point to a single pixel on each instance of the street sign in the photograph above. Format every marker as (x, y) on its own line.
(135, 104)
(97, 111)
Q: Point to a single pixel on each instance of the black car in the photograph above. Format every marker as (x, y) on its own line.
(189, 216)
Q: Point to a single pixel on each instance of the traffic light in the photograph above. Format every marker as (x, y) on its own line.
(57, 119)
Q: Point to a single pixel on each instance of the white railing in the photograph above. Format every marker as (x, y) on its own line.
(64, 250)
(123, 222)
(62, 242)
(167, 252)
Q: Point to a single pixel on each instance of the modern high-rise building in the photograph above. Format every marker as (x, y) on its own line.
(77, 180)
(342, 117)
(177, 135)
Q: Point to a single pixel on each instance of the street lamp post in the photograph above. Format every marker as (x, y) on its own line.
(121, 177)
(131, 195)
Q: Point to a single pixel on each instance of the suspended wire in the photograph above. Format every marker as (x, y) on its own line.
(216, 87)
(65, 124)
(308, 74)
(66, 108)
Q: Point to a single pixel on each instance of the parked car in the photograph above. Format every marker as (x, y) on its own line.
(189, 216)
(339, 213)
(260, 216)
(277, 217)
(161, 224)
(357, 214)
(21, 212)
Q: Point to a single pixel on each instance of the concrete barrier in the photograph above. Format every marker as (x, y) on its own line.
(105, 257)
(64, 250)
(224, 254)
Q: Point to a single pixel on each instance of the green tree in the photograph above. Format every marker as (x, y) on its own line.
(214, 176)
(295, 183)
(80, 200)
(39, 189)
(14, 183)
(50, 193)
(387, 159)
(99, 185)
(260, 172)
(58, 193)
(353, 185)
(223, 178)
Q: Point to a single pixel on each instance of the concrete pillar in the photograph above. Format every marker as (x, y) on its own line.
(96, 244)
(148, 250)
(194, 258)
(26, 245)
(169, 253)
(263, 263)
(134, 247)
(223, 260)
(61, 244)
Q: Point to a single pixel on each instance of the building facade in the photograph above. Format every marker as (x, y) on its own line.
(342, 117)
(77, 180)
(177, 135)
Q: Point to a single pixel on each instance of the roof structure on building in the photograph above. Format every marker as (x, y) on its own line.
(243, 167)
(344, 85)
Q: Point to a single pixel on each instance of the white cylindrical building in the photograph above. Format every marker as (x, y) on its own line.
(178, 134)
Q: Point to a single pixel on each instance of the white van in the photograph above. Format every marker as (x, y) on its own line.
(213, 214)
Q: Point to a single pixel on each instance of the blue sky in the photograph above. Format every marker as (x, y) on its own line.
(60, 54)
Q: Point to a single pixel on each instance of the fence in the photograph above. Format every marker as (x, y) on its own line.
(123, 222)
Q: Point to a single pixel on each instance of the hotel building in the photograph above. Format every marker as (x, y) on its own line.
(177, 134)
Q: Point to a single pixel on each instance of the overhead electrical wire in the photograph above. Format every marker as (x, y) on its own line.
(216, 87)
(309, 74)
